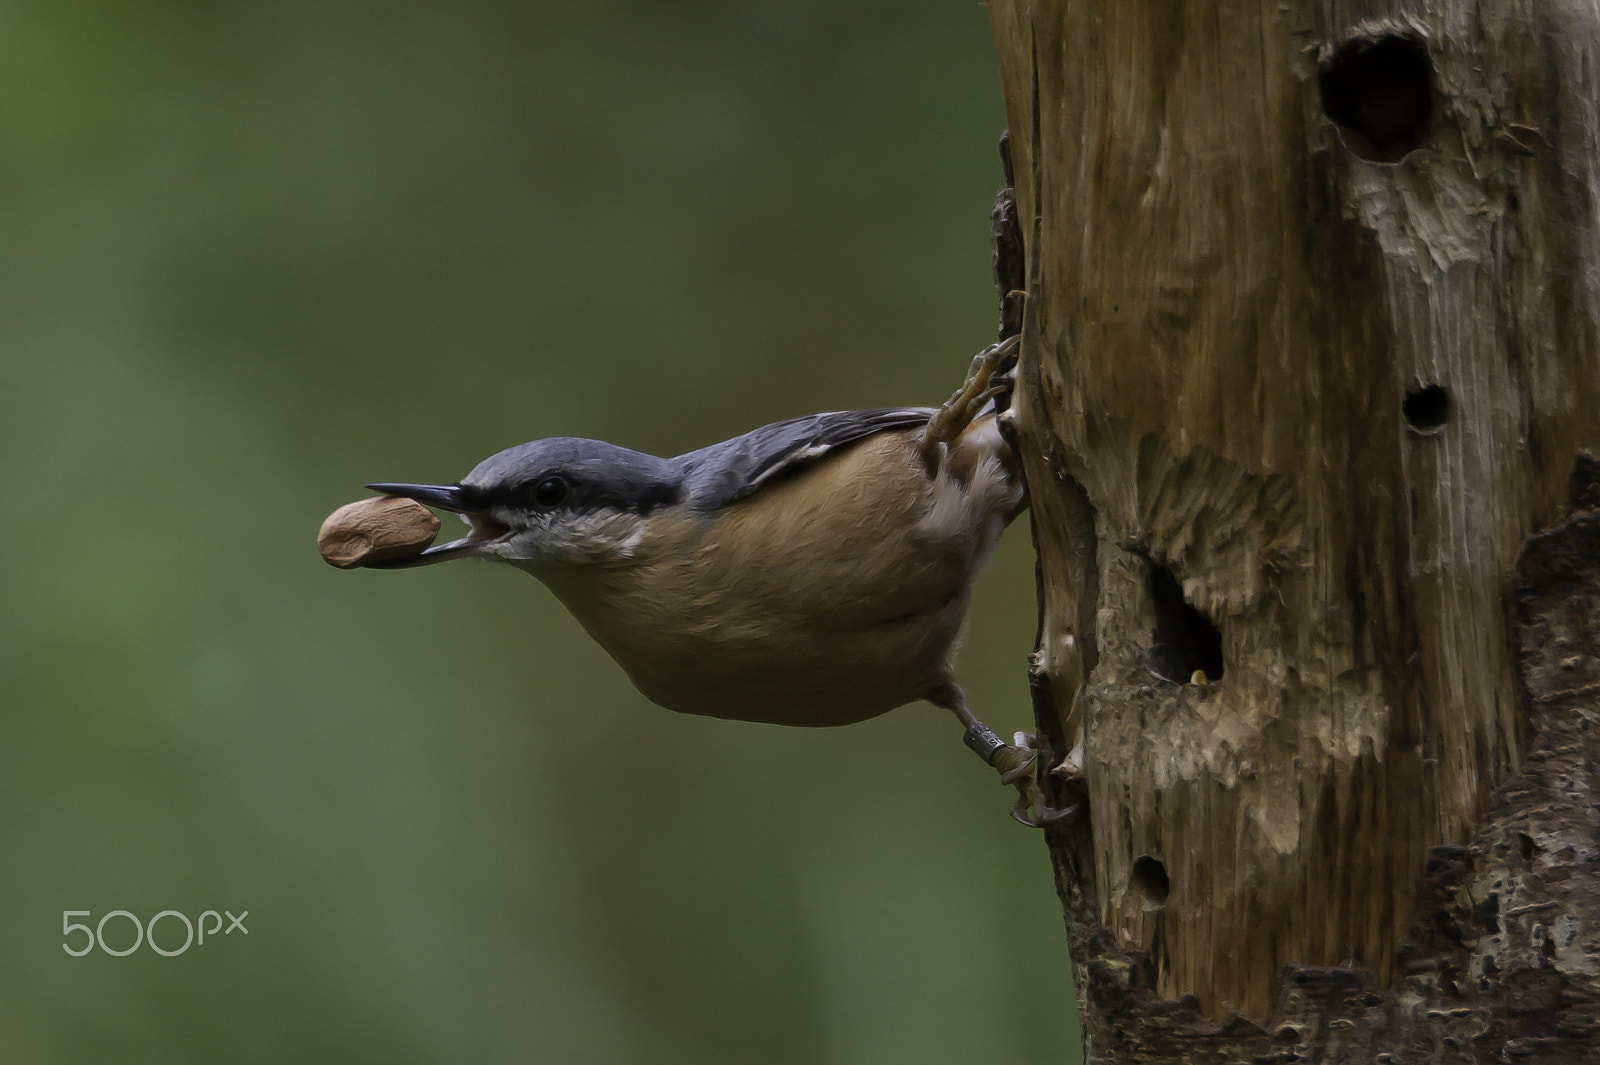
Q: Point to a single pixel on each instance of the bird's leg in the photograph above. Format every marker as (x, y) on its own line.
(950, 420)
(1013, 761)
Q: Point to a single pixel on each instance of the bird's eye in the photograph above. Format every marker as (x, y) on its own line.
(550, 491)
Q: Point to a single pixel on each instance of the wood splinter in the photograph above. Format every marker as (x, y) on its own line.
(376, 530)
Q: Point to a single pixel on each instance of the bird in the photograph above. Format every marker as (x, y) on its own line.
(813, 572)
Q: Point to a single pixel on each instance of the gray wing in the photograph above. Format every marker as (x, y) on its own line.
(722, 473)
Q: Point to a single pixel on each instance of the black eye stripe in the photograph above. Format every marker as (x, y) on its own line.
(561, 490)
(550, 491)
(475, 496)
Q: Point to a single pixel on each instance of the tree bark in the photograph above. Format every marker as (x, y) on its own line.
(1309, 352)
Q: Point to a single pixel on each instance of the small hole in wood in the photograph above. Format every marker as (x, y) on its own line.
(1529, 848)
(1149, 878)
(1488, 913)
(1379, 93)
(1426, 409)
(1185, 647)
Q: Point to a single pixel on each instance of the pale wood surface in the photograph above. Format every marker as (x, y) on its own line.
(1228, 304)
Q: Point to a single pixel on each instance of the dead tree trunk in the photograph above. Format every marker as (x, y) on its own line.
(1311, 345)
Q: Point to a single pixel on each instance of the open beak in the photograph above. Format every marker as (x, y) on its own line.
(485, 530)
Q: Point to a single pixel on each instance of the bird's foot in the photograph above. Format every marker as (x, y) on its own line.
(1015, 763)
(984, 381)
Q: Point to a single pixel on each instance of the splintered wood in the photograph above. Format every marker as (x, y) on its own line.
(379, 529)
(1296, 384)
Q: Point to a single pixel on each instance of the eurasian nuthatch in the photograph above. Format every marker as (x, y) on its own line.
(815, 571)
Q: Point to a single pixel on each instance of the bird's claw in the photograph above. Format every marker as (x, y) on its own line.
(1015, 763)
(1031, 808)
(985, 380)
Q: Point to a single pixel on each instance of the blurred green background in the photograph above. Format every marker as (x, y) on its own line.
(259, 254)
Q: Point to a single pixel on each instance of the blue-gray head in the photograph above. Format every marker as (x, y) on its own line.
(575, 501)
(561, 500)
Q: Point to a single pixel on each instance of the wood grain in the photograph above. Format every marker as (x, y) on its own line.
(1228, 302)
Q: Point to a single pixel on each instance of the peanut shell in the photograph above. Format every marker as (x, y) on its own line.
(376, 530)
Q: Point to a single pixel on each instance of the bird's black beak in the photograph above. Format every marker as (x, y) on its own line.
(438, 496)
(444, 497)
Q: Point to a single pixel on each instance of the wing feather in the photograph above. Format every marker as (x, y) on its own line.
(725, 472)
